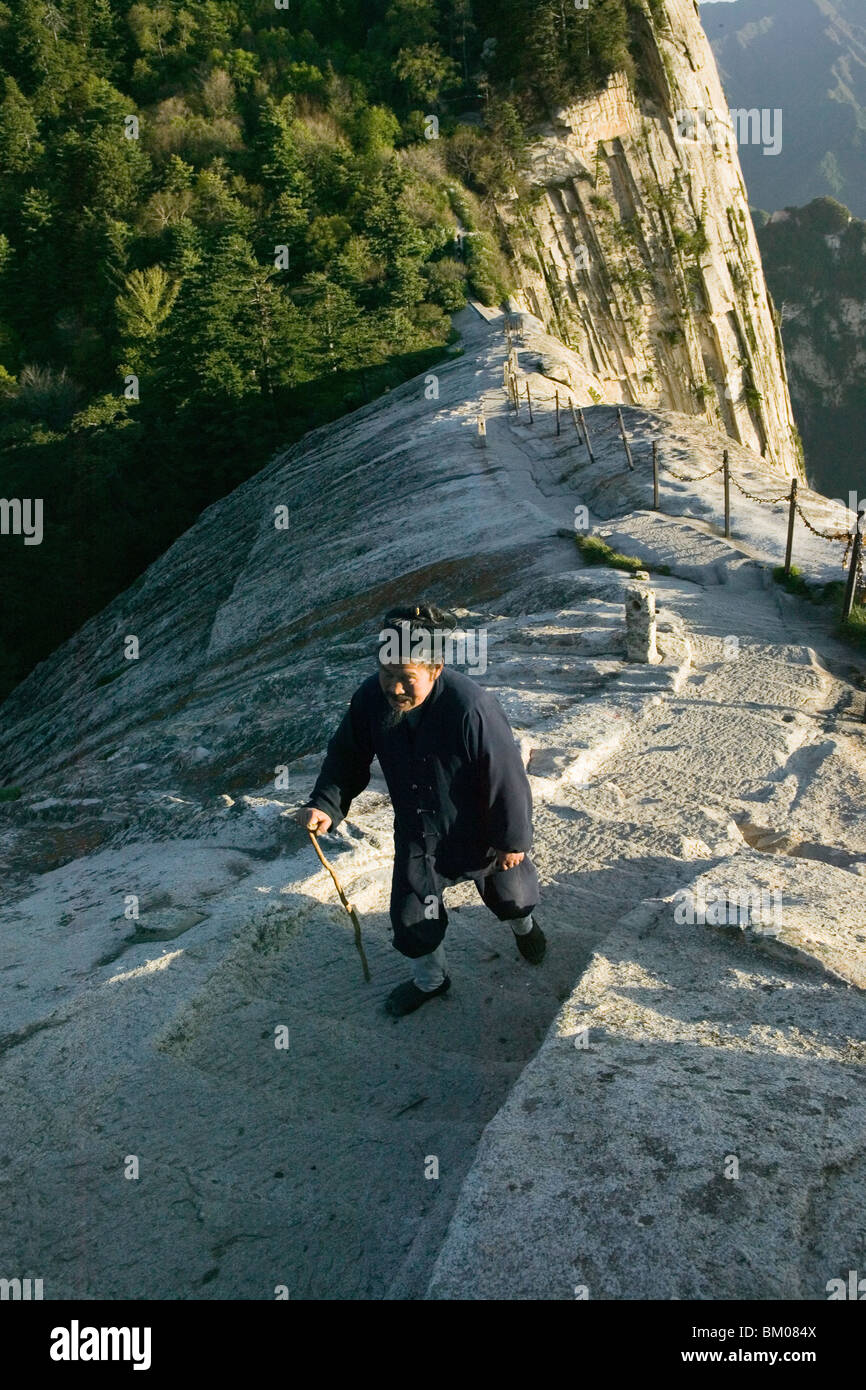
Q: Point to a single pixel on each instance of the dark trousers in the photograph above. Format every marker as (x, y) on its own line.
(418, 914)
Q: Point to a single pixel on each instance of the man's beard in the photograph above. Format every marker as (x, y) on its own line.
(394, 714)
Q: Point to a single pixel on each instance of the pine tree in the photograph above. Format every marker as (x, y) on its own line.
(146, 302)
(231, 331)
(20, 147)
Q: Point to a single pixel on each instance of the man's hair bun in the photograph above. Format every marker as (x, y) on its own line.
(423, 615)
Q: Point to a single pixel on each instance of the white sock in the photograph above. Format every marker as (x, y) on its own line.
(429, 971)
(521, 926)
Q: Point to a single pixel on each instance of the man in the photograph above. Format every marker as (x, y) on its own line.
(462, 800)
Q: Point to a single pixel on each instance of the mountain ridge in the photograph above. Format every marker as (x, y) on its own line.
(152, 874)
(808, 58)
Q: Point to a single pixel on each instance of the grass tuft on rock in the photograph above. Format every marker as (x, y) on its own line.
(595, 551)
(851, 629)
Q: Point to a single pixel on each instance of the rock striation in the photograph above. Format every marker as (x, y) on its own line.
(179, 985)
(636, 248)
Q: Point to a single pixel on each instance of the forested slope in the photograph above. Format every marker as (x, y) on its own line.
(224, 223)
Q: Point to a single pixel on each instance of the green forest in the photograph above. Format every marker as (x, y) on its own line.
(225, 222)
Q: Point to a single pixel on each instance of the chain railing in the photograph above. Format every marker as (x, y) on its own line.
(683, 478)
(852, 538)
(824, 535)
(753, 496)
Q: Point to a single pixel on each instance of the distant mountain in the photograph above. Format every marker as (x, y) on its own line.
(807, 57)
(815, 263)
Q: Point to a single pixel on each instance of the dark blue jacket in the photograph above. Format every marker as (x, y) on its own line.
(454, 771)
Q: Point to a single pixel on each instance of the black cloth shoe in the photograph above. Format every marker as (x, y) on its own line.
(405, 999)
(533, 945)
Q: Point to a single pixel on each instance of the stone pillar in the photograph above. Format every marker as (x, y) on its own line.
(640, 621)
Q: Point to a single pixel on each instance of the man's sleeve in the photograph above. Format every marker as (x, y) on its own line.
(504, 785)
(346, 769)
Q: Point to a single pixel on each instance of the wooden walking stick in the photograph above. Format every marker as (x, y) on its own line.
(359, 945)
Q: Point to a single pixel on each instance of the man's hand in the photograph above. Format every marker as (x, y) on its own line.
(314, 820)
(508, 859)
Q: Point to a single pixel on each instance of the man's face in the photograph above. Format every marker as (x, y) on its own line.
(407, 687)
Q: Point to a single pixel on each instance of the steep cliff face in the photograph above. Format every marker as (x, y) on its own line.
(635, 245)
